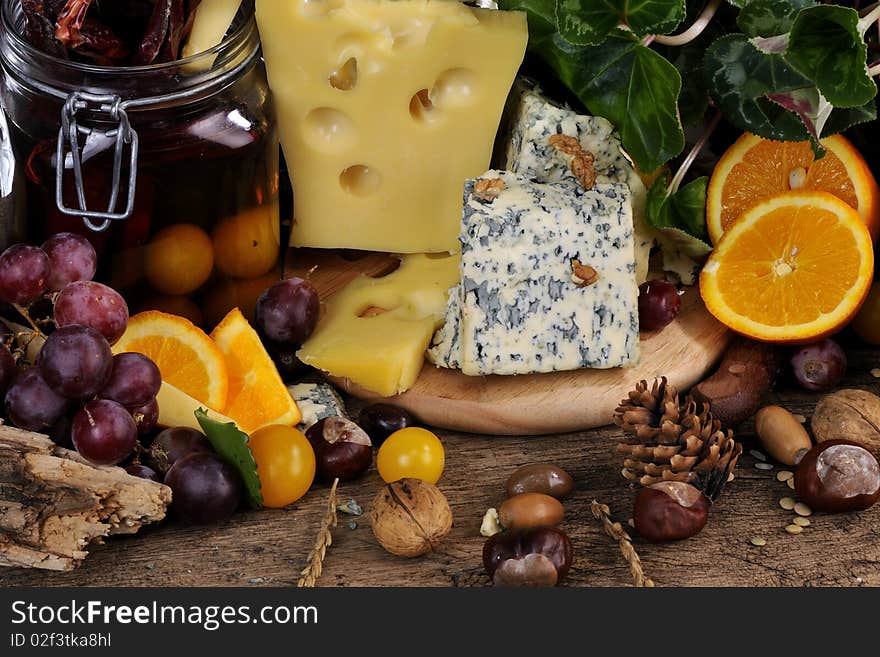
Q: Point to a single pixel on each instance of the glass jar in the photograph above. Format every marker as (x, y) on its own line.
(170, 170)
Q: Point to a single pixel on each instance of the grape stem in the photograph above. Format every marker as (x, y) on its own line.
(871, 16)
(694, 152)
(696, 29)
(24, 313)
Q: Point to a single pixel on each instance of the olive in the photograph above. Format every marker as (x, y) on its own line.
(543, 478)
(342, 449)
(670, 511)
(381, 420)
(838, 475)
(537, 557)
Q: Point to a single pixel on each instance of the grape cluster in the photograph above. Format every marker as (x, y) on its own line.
(286, 314)
(77, 391)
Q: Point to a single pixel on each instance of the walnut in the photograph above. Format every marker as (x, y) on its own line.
(850, 415)
(583, 275)
(488, 189)
(580, 162)
(410, 517)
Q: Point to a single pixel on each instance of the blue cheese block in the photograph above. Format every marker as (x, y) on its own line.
(534, 119)
(316, 401)
(523, 306)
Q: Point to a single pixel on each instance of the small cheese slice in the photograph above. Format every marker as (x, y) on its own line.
(520, 307)
(210, 24)
(532, 119)
(316, 401)
(375, 330)
(385, 107)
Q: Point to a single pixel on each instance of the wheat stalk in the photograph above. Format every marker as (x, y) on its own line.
(312, 572)
(616, 531)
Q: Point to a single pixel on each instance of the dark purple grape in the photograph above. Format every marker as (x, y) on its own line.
(146, 417)
(143, 472)
(381, 420)
(31, 404)
(8, 369)
(95, 305)
(60, 432)
(285, 359)
(134, 381)
(204, 488)
(288, 311)
(659, 303)
(819, 366)
(173, 444)
(103, 432)
(76, 362)
(71, 258)
(24, 271)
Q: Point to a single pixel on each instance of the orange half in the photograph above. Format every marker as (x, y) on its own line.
(754, 169)
(793, 268)
(257, 395)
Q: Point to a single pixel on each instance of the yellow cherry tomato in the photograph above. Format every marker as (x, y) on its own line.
(179, 259)
(285, 463)
(248, 244)
(411, 452)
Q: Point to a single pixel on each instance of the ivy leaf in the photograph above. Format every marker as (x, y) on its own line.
(811, 107)
(231, 444)
(825, 45)
(588, 22)
(767, 18)
(684, 210)
(846, 117)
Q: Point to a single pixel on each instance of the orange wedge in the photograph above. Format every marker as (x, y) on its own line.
(754, 169)
(793, 268)
(187, 358)
(257, 395)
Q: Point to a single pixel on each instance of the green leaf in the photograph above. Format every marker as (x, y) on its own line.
(825, 45)
(767, 18)
(847, 117)
(683, 210)
(231, 444)
(588, 22)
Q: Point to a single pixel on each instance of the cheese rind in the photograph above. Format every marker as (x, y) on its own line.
(518, 309)
(385, 107)
(533, 119)
(375, 330)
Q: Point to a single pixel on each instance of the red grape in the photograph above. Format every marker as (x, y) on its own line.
(24, 271)
(204, 488)
(60, 432)
(71, 258)
(134, 381)
(8, 369)
(173, 444)
(76, 362)
(288, 311)
(659, 303)
(819, 366)
(381, 420)
(103, 432)
(94, 305)
(146, 417)
(31, 404)
(143, 472)
(285, 359)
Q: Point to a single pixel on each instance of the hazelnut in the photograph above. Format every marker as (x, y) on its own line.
(670, 511)
(543, 478)
(530, 510)
(342, 449)
(537, 557)
(838, 475)
(782, 435)
(410, 517)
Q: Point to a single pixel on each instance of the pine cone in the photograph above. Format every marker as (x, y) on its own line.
(673, 441)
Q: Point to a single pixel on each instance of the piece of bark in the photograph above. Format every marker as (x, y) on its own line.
(745, 375)
(53, 503)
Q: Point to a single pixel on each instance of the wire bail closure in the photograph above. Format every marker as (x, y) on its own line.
(111, 107)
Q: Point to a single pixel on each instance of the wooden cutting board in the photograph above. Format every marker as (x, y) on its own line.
(534, 404)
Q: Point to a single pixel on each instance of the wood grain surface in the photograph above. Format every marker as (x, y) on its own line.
(530, 404)
(269, 548)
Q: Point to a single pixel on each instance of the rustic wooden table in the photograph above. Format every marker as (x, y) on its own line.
(269, 548)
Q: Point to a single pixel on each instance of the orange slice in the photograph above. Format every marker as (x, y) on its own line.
(793, 268)
(754, 169)
(257, 395)
(187, 358)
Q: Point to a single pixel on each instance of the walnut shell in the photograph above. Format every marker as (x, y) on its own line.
(410, 517)
(849, 415)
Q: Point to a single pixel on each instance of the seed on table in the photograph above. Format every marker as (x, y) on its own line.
(794, 529)
(802, 509)
(790, 483)
(802, 522)
(758, 455)
(757, 541)
(764, 466)
(784, 475)
(787, 503)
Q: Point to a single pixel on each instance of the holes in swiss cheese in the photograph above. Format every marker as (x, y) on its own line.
(453, 89)
(345, 77)
(360, 180)
(420, 106)
(329, 130)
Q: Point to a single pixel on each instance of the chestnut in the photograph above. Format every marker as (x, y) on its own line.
(342, 449)
(543, 478)
(536, 557)
(381, 420)
(838, 475)
(670, 511)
